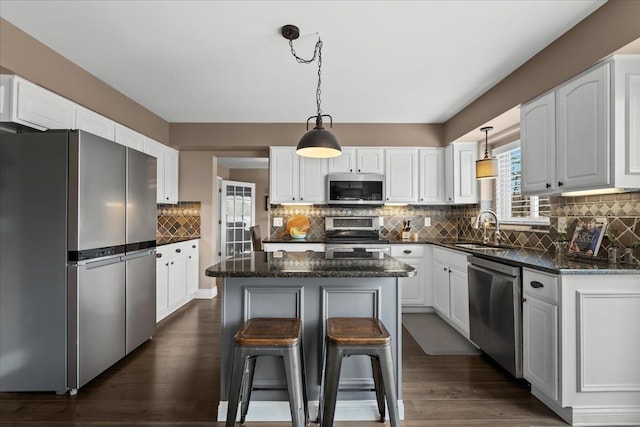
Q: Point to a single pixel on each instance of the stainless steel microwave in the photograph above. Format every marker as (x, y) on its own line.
(355, 189)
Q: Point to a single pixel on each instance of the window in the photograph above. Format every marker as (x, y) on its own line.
(511, 206)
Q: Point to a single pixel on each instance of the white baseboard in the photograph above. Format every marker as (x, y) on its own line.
(417, 309)
(206, 293)
(608, 416)
(276, 411)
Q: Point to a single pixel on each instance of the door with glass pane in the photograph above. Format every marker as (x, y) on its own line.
(237, 214)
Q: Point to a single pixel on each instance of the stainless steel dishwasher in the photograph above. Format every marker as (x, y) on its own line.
(495, 311)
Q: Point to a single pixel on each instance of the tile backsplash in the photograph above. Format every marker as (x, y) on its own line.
(179, 221)
(621, 210)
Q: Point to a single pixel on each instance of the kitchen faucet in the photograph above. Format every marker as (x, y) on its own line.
(485, 238)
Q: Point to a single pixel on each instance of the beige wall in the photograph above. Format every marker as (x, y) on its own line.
(198, 171)
(612, 26)
(255, 138)
(25, 56)
(261, 178)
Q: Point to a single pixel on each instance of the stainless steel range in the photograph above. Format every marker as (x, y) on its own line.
(355, 237)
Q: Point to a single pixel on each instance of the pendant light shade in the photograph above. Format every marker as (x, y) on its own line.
(486, 168)
(317, 142)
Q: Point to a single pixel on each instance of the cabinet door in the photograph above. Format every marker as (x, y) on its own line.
(95, 123)
(177, 279)
(193, 269)
(313, 179)
(413, 287)
(401, 175)
(162, 288)
(39, 108)
(370, 160)
(431, 175)
(171, 165)
(283, 175)
(459, 293)
(448, 174)
(464, 172)
(156, 150)
(129, 138)
(441, 288)
(540, 345)
(538, 142)
(344, 163)
(583, 144)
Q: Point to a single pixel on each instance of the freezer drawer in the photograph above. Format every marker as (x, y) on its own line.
(96, 319)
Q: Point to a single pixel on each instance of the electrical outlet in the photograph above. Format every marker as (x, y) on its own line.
(277, 221)
(427, 221)
(562, 224)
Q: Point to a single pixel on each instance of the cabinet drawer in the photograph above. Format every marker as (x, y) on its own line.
(540, 285)
(407, 251)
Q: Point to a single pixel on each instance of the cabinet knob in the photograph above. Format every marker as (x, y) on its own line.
(167, 198)
(293, 198)
(536, 284)
(524, 300)
(193, 246)
(548, 185)
(178, 250)
(350, 170)
(422, 199)
(171, 262)
(358, 170)
(387, 198)
(445, 268)
(167, 264)
(301, 198)
(158, 255)
(560, 183)
(189, 256)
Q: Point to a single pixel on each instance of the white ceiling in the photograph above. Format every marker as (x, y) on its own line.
(226, 61)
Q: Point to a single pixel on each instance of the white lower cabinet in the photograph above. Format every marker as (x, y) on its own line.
(450, 288)
(580, 345)
(176, 276)
(412, 288)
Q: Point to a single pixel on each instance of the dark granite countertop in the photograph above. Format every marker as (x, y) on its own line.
(307, 264)
(168, 240)
(520, 257)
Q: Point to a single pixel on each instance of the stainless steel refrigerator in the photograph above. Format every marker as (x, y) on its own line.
(77, 257)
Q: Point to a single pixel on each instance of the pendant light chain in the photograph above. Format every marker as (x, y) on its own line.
(317, 53)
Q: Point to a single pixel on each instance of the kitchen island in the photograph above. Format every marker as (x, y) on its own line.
(313, 288)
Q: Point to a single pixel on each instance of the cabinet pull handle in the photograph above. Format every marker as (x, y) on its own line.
(407, 251)
(178, 250)
(158, 255)
(548, 185)
(536, 284)
(560, 183)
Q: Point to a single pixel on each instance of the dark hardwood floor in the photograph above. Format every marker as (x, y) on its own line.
(173, 380)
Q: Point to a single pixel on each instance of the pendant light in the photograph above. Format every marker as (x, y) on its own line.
(317, 142)
(487, 168)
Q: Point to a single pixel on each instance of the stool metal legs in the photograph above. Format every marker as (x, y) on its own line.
(382, 363)
(242, 370)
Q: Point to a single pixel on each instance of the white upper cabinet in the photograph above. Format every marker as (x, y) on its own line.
(401, 175)
(296, 179)
(94, 123)
(431, 175)
(583, 143)
(358, 160)
(591, 124)
(167, 165)
(129, 138)
(460, 172)
(313, 179)
(27, 104)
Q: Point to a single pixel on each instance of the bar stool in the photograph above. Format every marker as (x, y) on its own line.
(280, 337)
(347, 336)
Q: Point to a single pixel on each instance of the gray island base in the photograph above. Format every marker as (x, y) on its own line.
(312, 288)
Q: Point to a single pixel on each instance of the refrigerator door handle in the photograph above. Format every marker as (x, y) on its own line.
(139, 255)
(101, 263)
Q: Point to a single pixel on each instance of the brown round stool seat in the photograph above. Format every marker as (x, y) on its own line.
(269, 331)
(357, 330)
(265, 336)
